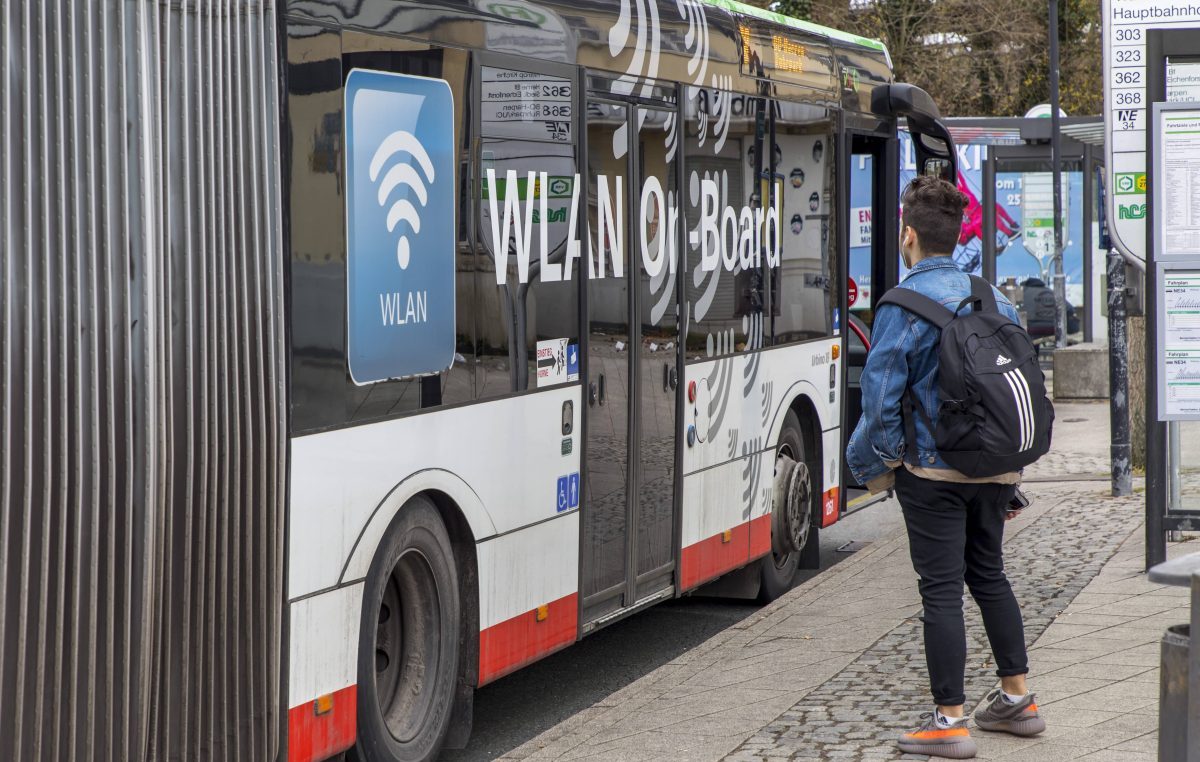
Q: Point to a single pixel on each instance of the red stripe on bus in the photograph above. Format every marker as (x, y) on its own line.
(713, 556)
(522, 640)
(829, 507)
(760, 536)
(313, 737)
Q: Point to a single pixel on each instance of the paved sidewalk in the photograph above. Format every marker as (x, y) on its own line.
(1096, 667)
(835, 669)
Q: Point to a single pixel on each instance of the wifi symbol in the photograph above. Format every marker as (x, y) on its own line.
(403, 175)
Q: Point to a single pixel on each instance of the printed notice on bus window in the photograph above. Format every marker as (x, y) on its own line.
(1181, 343)
(525, 105)
(1180, 176)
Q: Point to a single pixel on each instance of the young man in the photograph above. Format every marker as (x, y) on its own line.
(955, 523)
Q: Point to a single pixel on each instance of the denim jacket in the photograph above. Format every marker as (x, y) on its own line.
(904, 353)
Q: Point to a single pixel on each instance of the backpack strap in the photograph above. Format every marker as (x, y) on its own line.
(982, 298)
(918, 304)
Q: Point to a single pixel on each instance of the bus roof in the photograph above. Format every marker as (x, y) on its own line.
(733, 6)
(701, 43)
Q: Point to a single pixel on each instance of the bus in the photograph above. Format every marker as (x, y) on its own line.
(358, 353)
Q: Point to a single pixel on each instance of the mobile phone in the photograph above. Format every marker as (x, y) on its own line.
(1019, 501)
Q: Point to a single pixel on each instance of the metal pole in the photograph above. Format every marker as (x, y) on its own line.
(1173, 501)
(988, 249)
(1156, 434)
(1118, 378)
(1173, 465)
(1060, 296)
(1088, 308)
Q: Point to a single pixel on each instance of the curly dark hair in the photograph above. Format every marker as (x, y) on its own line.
(934, 208)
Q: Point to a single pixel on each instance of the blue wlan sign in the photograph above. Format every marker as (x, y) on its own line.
(399, 225)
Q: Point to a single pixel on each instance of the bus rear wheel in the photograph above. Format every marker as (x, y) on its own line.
(778, 568)
(408, 642)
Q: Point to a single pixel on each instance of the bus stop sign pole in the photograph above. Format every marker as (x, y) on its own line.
(1060, 296)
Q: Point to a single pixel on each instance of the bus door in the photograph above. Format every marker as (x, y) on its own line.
(629, 508)
(870, 272)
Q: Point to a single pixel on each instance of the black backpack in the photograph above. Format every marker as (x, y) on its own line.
(993, 414)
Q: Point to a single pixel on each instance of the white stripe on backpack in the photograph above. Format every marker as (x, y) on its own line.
(1021, 396)
(1028, 407)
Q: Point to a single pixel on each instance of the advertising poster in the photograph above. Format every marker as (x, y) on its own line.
(1015, 261)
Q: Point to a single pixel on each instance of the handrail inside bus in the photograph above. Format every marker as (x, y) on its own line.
(859, 333)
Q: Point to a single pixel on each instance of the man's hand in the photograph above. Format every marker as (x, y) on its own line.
(1018, 503)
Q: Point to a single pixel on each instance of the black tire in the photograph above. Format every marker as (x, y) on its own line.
(778, 571)
(408, 646)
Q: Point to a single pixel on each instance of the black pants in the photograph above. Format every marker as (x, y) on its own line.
(954, 535)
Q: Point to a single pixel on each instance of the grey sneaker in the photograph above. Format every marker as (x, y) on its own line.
(932, 739)
(1019, 719)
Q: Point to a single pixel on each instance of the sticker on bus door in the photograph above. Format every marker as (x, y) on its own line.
(552, 362)
(399, 225)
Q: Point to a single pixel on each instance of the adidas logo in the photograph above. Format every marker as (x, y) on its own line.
(1002, 360)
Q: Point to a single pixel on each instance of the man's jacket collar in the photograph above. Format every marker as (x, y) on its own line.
(931, 263)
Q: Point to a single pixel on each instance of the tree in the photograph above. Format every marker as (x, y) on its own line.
(977, 57)
(799, 9)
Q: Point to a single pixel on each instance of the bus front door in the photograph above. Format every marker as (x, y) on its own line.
(870, 237)
(628, 513)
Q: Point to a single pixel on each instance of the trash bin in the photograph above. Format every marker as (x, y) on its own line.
(1173, 694)
(1179, 692)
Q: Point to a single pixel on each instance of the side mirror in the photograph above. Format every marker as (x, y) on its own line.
(931, 139)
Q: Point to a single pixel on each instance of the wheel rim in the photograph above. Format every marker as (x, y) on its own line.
(407, 630)
(798, 514)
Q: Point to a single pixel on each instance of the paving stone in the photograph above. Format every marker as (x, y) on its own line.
(1045, 752)
(1111, 755)
(1099, 737)
(1147, 743)
(1105, 672)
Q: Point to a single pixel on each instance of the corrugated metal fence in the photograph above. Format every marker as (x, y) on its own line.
(142, 443)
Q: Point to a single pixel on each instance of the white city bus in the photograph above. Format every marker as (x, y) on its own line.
(470, 328)
(616, 376)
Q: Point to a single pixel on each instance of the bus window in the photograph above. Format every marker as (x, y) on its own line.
(325, 390)
(526, 123)
(721, 195)
(804, 296)
(862, 214)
